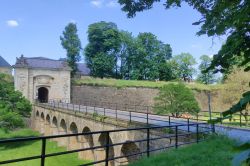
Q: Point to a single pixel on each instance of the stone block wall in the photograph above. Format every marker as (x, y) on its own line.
(104, 96)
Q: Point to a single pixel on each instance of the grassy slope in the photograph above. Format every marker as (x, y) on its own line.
(135, 83)
(217, 151)
(11, 151)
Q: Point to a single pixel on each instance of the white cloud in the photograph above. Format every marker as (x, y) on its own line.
(12, 23)
(104, 3)
(97, 3)
(112, 4)
(196, 46)
(72, 21)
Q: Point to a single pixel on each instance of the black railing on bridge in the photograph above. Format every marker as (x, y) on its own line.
(131, 116)
(238, 119)
(176, 138)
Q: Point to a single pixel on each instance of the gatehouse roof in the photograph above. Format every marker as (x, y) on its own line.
(4, 63)
(41, 63)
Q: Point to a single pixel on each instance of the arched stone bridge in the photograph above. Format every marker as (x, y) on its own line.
(54, 121)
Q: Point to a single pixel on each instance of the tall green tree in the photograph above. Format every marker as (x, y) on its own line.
(206, 77)
(72, 44)
(184, 63)
(148, 57)
(127, 51)
(175, 99)
(102, 51)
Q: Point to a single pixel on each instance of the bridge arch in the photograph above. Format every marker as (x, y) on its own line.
(37, 114)
(129, 148)
(86, 142)
(62, 129)
(73, 140)
(42, 116)
(100, 153)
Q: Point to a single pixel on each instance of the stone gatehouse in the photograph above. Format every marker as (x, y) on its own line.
(42, 78)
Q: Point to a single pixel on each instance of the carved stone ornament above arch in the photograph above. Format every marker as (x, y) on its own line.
(43, 79)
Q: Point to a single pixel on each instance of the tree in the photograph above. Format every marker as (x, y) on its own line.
(71, 42)
(206, 77)
(13, 106)
(127, 51)
(101, 53)
(146, 57)
(168, 71)
(218, 18)
(185, 66)
(175, 99)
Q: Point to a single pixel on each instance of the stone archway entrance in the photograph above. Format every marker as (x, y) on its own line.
(43, 95)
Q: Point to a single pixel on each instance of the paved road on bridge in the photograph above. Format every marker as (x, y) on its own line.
(155, 120)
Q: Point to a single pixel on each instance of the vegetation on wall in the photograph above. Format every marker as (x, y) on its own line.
(13, 106)
(119, 83)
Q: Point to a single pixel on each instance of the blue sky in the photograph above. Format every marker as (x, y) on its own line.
(33, 27)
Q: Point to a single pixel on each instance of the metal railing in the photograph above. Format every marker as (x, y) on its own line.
(130, 116)
(199, 135)
(238, 119)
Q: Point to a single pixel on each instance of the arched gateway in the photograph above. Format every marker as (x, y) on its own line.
(43, 95)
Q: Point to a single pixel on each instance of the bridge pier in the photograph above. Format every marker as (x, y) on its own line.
(47, 126)
(42, 123)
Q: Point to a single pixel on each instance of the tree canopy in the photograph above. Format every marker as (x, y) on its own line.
(184, 64)
(71, 42)
(206, 77)
(102, 49)
(115, 53)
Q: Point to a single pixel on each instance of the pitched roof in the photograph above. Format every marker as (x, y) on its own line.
(42, 63)
(4, 63)
(83, 69)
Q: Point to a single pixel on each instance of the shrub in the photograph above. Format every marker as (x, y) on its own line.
(176, 99)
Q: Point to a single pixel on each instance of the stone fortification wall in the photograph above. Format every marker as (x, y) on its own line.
(128, 97)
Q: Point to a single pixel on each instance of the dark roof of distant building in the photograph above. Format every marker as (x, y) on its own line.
(4, 63)
(41, 62)
(83, 69)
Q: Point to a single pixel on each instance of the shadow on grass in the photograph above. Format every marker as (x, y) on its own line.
(14, 145)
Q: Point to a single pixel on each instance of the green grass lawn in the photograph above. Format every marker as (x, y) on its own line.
(25, 149)
(136, 83)
(217, 151)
